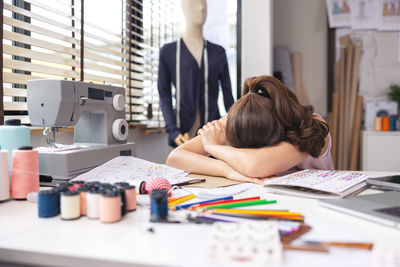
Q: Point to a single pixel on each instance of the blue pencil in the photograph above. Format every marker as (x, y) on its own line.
(211, 200)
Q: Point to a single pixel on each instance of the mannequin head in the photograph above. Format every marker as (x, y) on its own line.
(195, 12)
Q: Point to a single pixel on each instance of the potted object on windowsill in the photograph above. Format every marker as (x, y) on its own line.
(394, 95)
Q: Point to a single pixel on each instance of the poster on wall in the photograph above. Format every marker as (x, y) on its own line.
(389, 15)
(364, 15)
(339, 13)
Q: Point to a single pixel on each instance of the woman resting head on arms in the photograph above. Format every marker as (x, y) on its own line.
(266, 132)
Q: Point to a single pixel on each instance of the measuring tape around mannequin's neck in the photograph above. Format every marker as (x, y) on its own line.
(178, 82)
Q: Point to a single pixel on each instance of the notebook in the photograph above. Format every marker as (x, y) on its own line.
(323, 184)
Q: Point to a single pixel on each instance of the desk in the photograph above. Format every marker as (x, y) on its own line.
(27, 239)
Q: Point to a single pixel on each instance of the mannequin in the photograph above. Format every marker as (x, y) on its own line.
(201, 65)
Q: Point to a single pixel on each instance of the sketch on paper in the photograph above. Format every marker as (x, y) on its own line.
(339, 13)
(130, 169)
(389, 15)
(365, 14)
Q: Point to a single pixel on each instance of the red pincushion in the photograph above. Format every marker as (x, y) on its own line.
(157, 183)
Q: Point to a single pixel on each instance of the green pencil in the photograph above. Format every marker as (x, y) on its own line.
(240, 204)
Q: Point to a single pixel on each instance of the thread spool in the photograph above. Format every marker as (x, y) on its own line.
(60, 189)
(377, 123)
(4, 176)
(48, 205)
(110, 207)
(158, 205)
(70, 205)
(123, 200)
(385, 124)
(83, 190)
(157, 183)
(393, 123)
(93, 204)
(130, 195)
(74, 185)
(12, 136)
(25, 173)
(140, 186)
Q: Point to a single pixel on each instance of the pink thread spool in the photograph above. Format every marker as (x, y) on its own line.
(110, 207)
(25, 172)
(130, 196)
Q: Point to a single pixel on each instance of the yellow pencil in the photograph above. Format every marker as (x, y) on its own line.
(180, 200)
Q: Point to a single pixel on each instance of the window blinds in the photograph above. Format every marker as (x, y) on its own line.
(158, 29)
(89, 40)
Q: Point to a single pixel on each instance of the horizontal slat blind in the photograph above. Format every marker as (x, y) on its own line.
(40, 40)
(45, 39)
(158, 30)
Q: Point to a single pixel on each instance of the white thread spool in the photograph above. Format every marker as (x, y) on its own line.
(93, 204)
(70, 205)
(4, 176)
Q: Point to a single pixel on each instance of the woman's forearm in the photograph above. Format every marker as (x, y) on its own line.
(196, 163)
(258, 162)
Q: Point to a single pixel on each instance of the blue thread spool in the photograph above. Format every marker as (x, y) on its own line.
(393, 123)
(12, 136)
(48, 203)
(158, 205)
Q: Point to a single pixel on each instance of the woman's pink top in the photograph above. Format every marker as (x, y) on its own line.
(323, 162)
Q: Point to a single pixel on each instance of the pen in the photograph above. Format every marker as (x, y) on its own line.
(311, 248)
(194, 181)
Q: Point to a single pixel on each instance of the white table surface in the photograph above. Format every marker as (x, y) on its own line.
(27, 239)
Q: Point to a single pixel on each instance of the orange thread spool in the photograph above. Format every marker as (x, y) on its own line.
(25, 172)
(385, 124)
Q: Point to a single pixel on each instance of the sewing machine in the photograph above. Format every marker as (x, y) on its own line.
(98, 113)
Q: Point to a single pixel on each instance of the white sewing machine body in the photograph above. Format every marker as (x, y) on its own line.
(98, 113)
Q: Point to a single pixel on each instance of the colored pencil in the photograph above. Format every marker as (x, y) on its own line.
(223, 202)
(240, 204)
(176, 198)
(367, 246)
(201, 202)
(262, 217)
(305, 248)
(262, 212)
(181, 200)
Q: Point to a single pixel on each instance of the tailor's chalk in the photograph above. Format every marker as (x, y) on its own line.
(48, 205)
(206, 201)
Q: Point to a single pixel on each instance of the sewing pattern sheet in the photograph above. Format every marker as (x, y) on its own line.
(130, 169)
(328, 181)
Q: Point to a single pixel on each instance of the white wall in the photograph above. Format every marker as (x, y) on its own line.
(256, 38)
(302, 26)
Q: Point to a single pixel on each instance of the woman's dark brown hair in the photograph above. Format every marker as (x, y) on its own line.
(269, 113)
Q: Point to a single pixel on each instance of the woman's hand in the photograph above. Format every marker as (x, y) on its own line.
(236, 176)
(213, 133)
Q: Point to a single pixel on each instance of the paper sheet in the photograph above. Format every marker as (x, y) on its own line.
(364, 14)
(339, 13)
(130, 169)
(209, 193)
(60, 147)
